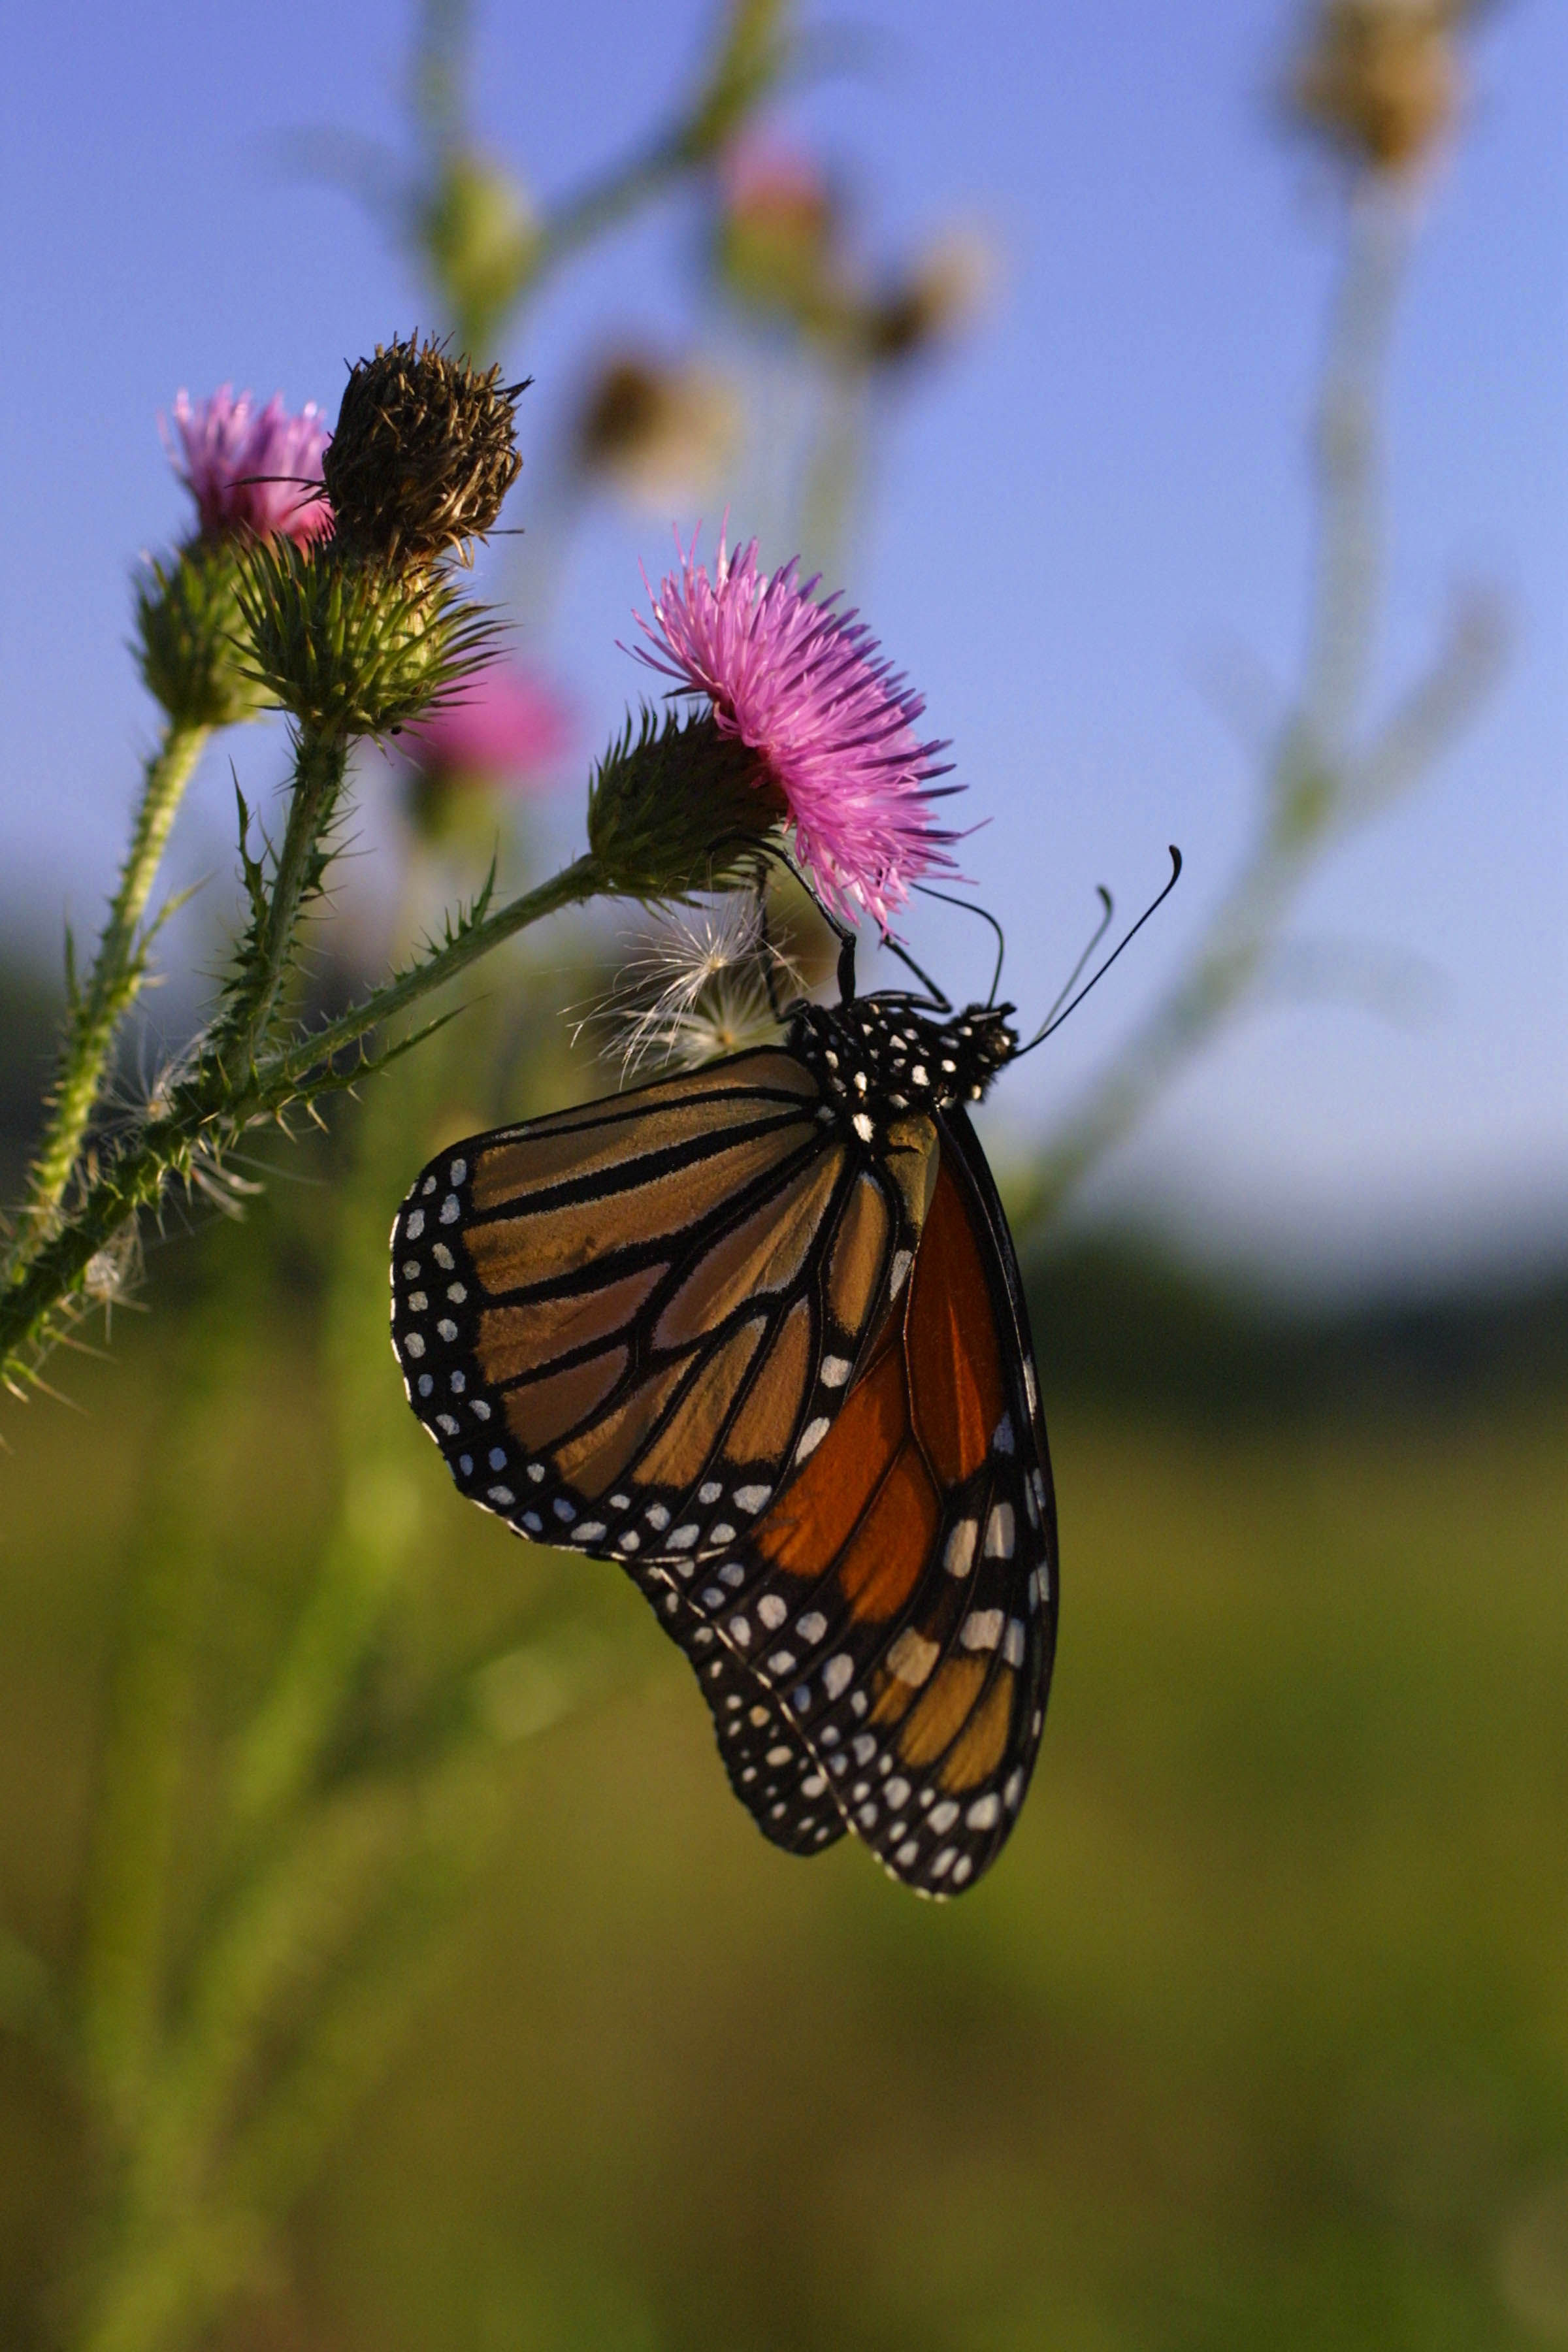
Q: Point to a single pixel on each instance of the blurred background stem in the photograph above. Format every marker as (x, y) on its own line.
(1309, 790)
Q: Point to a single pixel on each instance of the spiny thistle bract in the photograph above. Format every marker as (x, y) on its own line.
(422, 453)
(354, 649)
(676, 805)
(189, 635)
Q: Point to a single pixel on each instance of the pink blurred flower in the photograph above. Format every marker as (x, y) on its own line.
(766, 179)
(505, 724)
(249, 471)
(802, 686)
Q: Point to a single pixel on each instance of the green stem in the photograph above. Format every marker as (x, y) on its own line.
(320, 763)
(227, 1091)
(1348, 454)
(1307, 790)
(111, 988)
(583, 879)
(137, 1868)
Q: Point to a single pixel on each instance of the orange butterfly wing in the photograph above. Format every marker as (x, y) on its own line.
(894, 1611)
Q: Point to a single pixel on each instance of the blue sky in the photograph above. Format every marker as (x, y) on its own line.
(1076, 522)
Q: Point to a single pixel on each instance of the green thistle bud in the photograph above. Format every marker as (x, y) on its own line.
(188, 624)
(423, 455)
(352, 648)
(676, 805)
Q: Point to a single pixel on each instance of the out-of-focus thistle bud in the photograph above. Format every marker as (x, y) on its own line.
(678, 805)
(253, 474)
(1379, 79)
(482, 239)
(777, 235)
(359, 635)
(661, 433)
(939, 300)
(423, 455)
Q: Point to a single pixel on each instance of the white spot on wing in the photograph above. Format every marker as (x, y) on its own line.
(836, 1371)
(811, 1437)
(981, 1629)
(837, 1674)
(985, 1813)
(1000, 1532)
(959, 1557)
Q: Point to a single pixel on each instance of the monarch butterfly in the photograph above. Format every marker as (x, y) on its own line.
(756, 1333)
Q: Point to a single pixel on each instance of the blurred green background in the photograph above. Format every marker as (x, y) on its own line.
(385, 1966)
(1259, 2035)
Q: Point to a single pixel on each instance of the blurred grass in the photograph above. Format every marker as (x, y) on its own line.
(1259, 2035)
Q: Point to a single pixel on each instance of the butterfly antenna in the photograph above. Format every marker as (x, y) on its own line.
(770, 976)
(968, 906)
(842, 932)
(939, 1002)
(1106, 909)
(1054, 1019)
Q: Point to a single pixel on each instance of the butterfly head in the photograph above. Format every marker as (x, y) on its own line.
(878, 1057)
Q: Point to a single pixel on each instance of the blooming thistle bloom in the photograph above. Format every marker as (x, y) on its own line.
(833, 725)
(249, 471)
(501, 725)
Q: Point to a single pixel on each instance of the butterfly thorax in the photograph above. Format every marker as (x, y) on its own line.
(877, 1057)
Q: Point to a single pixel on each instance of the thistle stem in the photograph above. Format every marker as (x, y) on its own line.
(320, 763)
(109, 991)
(227, 1091)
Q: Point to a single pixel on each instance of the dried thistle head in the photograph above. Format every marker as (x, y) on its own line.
(1381, 79)
(423, 455)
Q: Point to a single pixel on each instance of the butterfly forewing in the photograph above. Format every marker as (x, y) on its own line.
(623, 1324)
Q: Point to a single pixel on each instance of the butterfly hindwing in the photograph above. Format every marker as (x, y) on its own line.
(623, 1324)
(770, 1766)
(896, 1605)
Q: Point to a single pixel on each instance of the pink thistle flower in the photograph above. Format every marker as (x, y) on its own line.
(249, 471)
(802, 686)
(504, 724)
